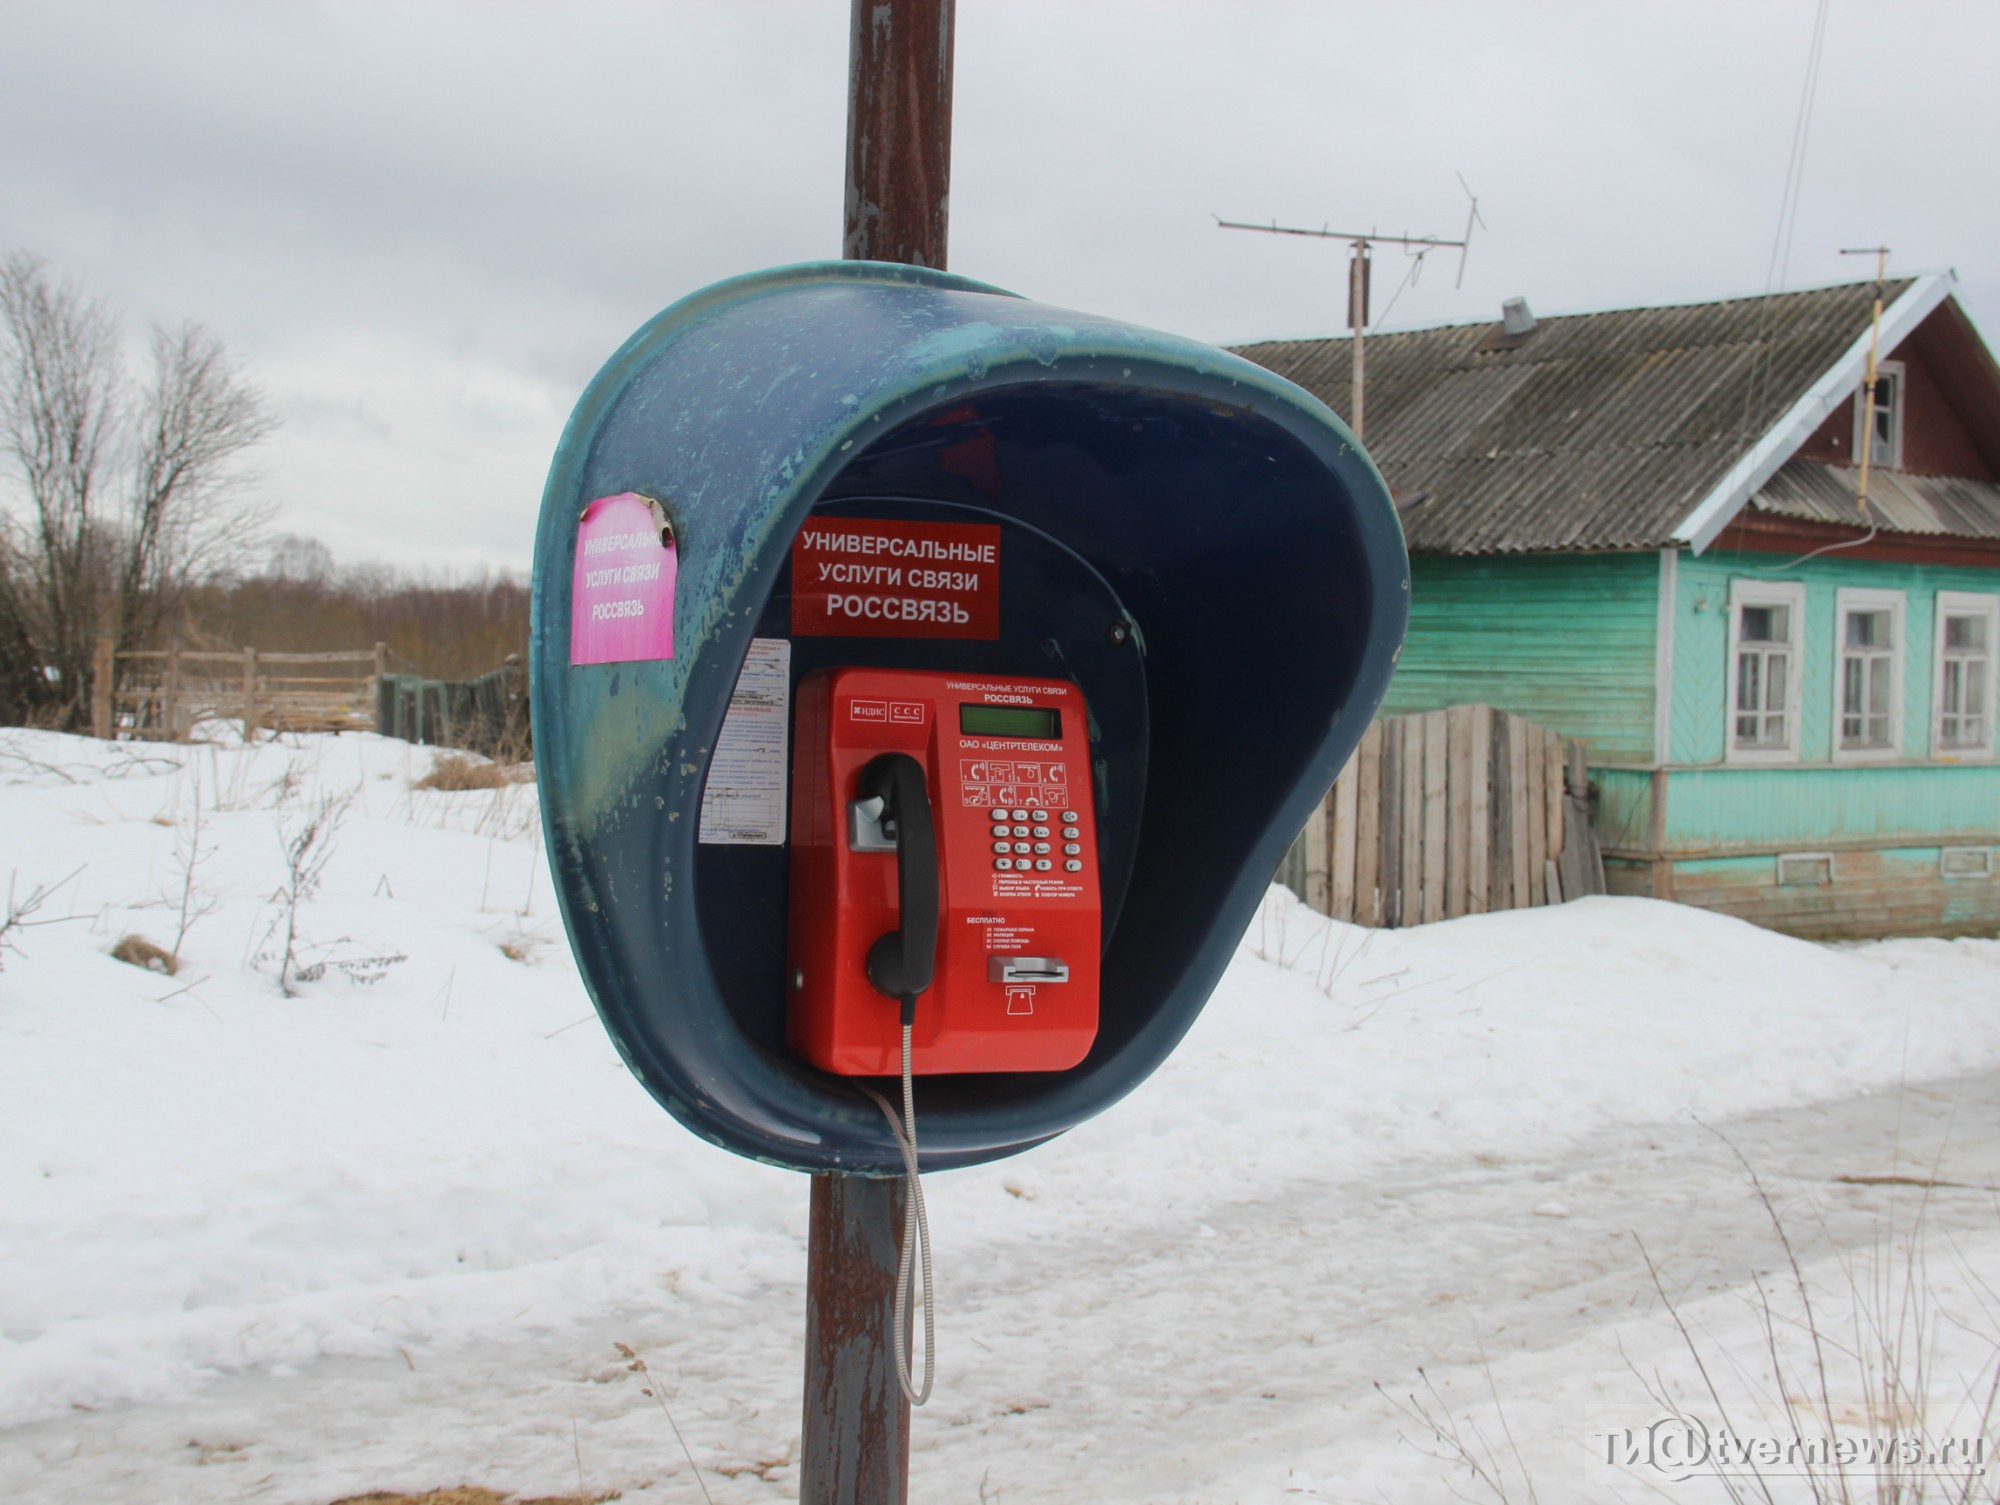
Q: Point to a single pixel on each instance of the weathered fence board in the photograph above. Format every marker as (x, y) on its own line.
(1368, 829)
(1341, 856)
(1479, 821)
(1435, 750)
(1449, 813)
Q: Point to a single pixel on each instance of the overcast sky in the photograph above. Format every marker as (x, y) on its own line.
(425, 224)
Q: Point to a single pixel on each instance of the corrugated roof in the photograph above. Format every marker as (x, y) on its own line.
(1898, 502)
(1598, 431)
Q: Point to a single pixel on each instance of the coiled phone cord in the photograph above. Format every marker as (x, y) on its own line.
(916, 1233)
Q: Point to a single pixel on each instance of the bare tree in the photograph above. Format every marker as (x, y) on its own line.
(58, 402)
(128, 490)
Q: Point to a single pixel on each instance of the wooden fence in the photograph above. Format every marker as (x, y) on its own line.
(159, 694)
(1449, 813)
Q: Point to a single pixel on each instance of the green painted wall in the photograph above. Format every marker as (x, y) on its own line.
(1624, 814)
(1701, 643)
(1566, 640)
(1830, 803)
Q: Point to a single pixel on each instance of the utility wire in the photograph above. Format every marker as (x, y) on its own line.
(1757, 389)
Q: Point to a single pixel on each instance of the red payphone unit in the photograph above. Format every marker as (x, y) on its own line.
(943, 873)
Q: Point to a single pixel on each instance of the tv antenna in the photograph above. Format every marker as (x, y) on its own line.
(1360, 252)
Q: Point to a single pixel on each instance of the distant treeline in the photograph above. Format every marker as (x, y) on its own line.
(300, 601)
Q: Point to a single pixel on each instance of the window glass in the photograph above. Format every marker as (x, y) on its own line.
(1867, 678)
(1761, 716)
(1883, 426)
(1764, 624)
(1964, 670)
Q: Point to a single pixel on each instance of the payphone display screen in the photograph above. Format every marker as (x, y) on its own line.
(1010, 721)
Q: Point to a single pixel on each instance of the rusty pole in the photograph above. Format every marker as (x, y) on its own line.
(898, 131)
(855, 1439)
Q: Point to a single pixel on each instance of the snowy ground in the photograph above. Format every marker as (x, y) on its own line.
(385, 1234)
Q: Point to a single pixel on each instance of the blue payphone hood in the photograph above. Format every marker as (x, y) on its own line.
(1221, 511)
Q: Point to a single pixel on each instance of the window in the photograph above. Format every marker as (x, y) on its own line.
(1764, 626)
(1965, 862)
(1805, 869)
(1885, 433)
(1868, 689)
(1968, 630)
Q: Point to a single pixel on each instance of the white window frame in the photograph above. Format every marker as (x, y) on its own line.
(1790, 594)
(1893, 371)
(1788, 862)
(1980, 871)
(1965, 604)
(1897, 605)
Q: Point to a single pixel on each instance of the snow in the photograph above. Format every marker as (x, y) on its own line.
(384, 1234)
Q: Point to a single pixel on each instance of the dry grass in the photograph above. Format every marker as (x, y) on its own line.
(455, 771)
(137, 951)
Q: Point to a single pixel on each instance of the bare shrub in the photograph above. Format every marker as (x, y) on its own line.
(1850, 1371)
(1464, 1445)
(308, 843)
(359, 964)
(189, 854)
(1850, 1399)
(308, 847)
(23, 912)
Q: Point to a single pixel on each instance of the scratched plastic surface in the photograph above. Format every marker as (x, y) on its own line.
(1225, 518)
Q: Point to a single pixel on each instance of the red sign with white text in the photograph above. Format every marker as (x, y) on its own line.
(882, 578)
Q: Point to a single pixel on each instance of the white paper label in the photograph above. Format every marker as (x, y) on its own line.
(744, 803)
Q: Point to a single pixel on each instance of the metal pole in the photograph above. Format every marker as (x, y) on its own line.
(1357, 281)
(898, 131)
(1873, 376)
(1357, 319)
(854, 1447)
(855, 1438)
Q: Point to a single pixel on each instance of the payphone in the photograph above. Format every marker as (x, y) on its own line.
(944, 873)
(899, 551)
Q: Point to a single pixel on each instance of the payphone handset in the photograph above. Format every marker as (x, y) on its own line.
(943, 851)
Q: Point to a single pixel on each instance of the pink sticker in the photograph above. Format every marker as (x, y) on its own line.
(622, 592)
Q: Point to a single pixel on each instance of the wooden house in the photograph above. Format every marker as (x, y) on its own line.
(1641, 528)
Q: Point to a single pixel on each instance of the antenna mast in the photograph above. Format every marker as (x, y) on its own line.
(1359, 259)
(1881, 255)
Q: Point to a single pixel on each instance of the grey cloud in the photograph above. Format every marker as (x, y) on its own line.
(426, 224)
